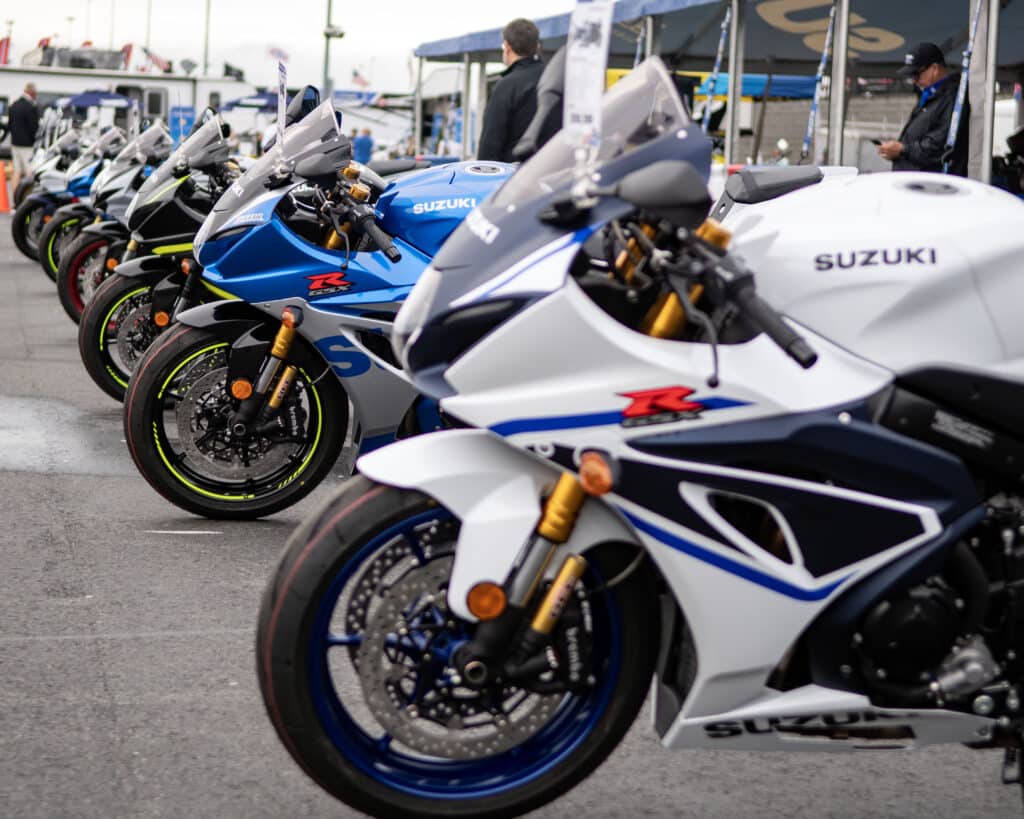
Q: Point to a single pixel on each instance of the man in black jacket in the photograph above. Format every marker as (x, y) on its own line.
(922, 143)
(24, 120)
(514, 99)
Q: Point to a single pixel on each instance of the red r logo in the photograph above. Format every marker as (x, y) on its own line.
(666, 399)
(324, 280)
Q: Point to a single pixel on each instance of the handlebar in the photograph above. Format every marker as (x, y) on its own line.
(758, 311)
(380, 238)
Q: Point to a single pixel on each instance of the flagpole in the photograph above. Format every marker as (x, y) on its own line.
(149, 20)
(110, 40)
(206, 42)
(327, 54)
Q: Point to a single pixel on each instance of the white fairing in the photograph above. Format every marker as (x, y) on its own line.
(903, 269)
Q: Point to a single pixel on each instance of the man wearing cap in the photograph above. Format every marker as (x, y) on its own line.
(922, 142)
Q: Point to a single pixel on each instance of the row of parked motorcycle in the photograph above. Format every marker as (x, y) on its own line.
(805, 528)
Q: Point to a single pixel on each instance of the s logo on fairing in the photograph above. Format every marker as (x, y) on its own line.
(660, 406)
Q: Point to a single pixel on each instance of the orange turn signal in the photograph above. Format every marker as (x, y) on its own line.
(241, 388)
(186, 266)
(288, 318)
(161, 318)
(111, 264)
(486, 600)
(596, 475)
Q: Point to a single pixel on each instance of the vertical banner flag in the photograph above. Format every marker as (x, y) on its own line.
(5, 50)
(282, 92)
(586, 57)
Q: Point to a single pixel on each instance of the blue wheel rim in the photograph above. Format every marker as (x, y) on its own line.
(446, 779)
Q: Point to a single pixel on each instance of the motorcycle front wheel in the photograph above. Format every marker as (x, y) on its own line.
(115, 331)
(26, 225)
(81, 271)
(354, 653)
(177, 423)
(54, 239)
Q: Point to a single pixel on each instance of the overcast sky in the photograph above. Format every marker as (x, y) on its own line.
(380, 35)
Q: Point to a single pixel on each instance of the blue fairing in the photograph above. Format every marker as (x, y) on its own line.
(80, 185)
(270, 262)
(256, 257)
(425, 207)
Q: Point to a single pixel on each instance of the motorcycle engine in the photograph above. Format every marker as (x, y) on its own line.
(911, 635)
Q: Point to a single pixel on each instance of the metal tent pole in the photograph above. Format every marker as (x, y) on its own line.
(417, 117)
(837, 84)
(467, 132)
(737, 40)
(481, 104)
(989, 111)
(652, 35)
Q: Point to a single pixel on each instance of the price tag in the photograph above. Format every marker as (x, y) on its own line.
(585, 64)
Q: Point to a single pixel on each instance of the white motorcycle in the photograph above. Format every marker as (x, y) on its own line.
(807, 530)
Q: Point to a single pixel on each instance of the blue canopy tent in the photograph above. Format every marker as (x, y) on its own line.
(786, 36)
(96, 99)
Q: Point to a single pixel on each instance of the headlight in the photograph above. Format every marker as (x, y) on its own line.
(414, 310)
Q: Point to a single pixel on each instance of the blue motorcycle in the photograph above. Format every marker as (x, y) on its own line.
(52, 187)
(242, 408)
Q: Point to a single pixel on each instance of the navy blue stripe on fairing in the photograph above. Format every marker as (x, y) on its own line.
(732, 566)
(593, 419)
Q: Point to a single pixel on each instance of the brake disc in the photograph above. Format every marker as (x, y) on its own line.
(414, 693)
(135, 331)
(90, 275)
(202, 417)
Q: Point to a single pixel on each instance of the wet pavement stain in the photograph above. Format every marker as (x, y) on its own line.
(52, 437)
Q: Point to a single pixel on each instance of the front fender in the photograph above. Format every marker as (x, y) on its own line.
(75, 210)
(49, 201)
(229, 311)
(146, 267)
(108, 229)
(496, 491)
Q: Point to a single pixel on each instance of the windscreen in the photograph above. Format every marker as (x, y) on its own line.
(108, 142)
(316, 134)
(638, 108)
(154, 142)
(198, 143)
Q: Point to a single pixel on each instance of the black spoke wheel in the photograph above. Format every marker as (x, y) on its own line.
(26, 226)
(355, 649)
(178, 428)
(81, 271)
(115, 331)
(54, 239)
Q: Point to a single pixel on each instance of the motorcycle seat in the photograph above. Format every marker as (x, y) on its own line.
(753, 185)
(985, 398)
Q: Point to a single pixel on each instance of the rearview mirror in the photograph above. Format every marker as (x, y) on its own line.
(306, 101)
(672, 189)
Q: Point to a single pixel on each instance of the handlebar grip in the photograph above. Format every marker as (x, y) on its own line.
(764, 316)
(380, 238)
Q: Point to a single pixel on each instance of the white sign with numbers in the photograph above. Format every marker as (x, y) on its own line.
(585, 64)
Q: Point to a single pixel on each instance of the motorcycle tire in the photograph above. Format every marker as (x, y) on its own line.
(80, 273)
(115, 331)
(54, 238)
(26, 226)
(176, 415)
(25, 187)
(327, 640)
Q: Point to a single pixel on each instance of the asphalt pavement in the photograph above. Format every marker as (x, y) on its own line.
(127, 686)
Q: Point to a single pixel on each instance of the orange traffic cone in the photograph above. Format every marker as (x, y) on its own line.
(5, 205)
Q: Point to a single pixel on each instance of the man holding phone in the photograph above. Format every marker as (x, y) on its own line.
(922, 142)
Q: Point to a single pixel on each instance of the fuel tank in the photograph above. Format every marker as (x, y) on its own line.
(905, 269)
(426, 206)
